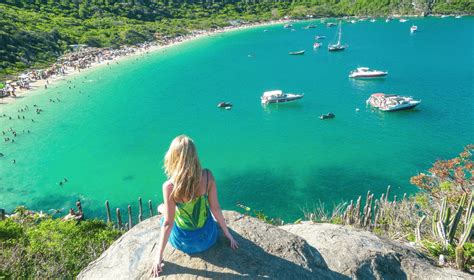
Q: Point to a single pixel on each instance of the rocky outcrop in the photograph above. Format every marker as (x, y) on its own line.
(307, 251)
(362, 255)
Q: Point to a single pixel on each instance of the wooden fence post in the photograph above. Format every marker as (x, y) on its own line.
(119, 218)
(107, 207)
(140, 210)
(130, 223)
(150, 207)
(79, 209)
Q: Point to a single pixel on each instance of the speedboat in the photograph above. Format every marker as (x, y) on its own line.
(296, 53)
(413, 28)
(365, 72)
(319, 37)
(458, 17)
(372, 20)
(327, 116)
(391, 102)
(403, 20)
(225, 105)
(330, 24)
(277, 96)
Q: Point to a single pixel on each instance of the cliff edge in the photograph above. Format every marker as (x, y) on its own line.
(302, 251)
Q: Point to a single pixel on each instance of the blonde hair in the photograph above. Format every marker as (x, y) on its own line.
(182, 167)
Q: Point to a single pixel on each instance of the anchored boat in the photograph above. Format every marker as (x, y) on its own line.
(365, 72)
(338, 46)
(391, 102)
(277, 96)
(296, 53)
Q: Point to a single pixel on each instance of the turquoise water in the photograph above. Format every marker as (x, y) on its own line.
(109, 133)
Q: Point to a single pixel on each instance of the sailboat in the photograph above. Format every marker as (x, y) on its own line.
(338, 46)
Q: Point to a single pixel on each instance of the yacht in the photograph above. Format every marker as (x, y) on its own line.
(277, 96)
(338, 46)
(365, 72)
(413, 28)
(391, 102)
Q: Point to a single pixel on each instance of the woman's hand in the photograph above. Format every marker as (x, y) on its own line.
(157, 268)
(233, 244)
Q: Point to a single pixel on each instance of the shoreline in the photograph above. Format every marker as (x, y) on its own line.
(137, 51)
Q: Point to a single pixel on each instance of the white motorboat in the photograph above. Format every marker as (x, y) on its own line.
(391, 102)
(288, 25)
(277, 96)
(403, 20)
(413, 28)
(365, 72)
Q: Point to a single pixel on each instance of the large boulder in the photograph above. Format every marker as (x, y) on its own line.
(264, 251)
(362, 255)
(302, 251)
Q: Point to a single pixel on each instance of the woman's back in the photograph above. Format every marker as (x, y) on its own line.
(193, 214)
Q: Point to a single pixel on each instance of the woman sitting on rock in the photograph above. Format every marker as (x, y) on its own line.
(190, 196)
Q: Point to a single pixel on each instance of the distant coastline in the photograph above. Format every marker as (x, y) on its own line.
(132, 51)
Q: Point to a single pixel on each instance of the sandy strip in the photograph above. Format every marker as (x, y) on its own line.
(38, 84)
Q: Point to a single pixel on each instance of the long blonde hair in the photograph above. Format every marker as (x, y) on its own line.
(182, 167)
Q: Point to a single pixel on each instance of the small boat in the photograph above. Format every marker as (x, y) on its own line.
(444, 16)
(319, 37)
(327, 116)
(277, 96)
(388, 19)
(413, 28)
(296, 53)
(458, 17)
(391, 102)
(403, 20)
(288, 25)
(338, 46)
(265, 30)
(330, 24)
(365, 72)
(225, 105)
(372, 20)
(316, 45)
(309, 26)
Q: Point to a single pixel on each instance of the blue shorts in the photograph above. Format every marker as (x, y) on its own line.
(194, 241)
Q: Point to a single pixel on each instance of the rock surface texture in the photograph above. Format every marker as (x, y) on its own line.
(362, 255)
(307, 251)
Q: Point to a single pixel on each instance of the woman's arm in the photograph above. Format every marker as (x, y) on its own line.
(166, 227)
(217, 211)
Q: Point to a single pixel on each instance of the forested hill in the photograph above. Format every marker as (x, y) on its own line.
(33, 33)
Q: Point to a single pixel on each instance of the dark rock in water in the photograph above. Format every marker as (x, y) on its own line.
(128, 178)
(1, 155)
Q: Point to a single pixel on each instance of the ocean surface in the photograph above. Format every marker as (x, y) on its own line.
(111, 129)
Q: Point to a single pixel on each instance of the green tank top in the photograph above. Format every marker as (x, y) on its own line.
(192, 215)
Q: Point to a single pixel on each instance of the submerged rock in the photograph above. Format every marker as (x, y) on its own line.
(266, 251)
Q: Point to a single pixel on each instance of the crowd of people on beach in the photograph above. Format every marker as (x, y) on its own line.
(83, 57)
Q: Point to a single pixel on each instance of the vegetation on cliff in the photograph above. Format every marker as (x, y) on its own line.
(37, 246)
(34, 33)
